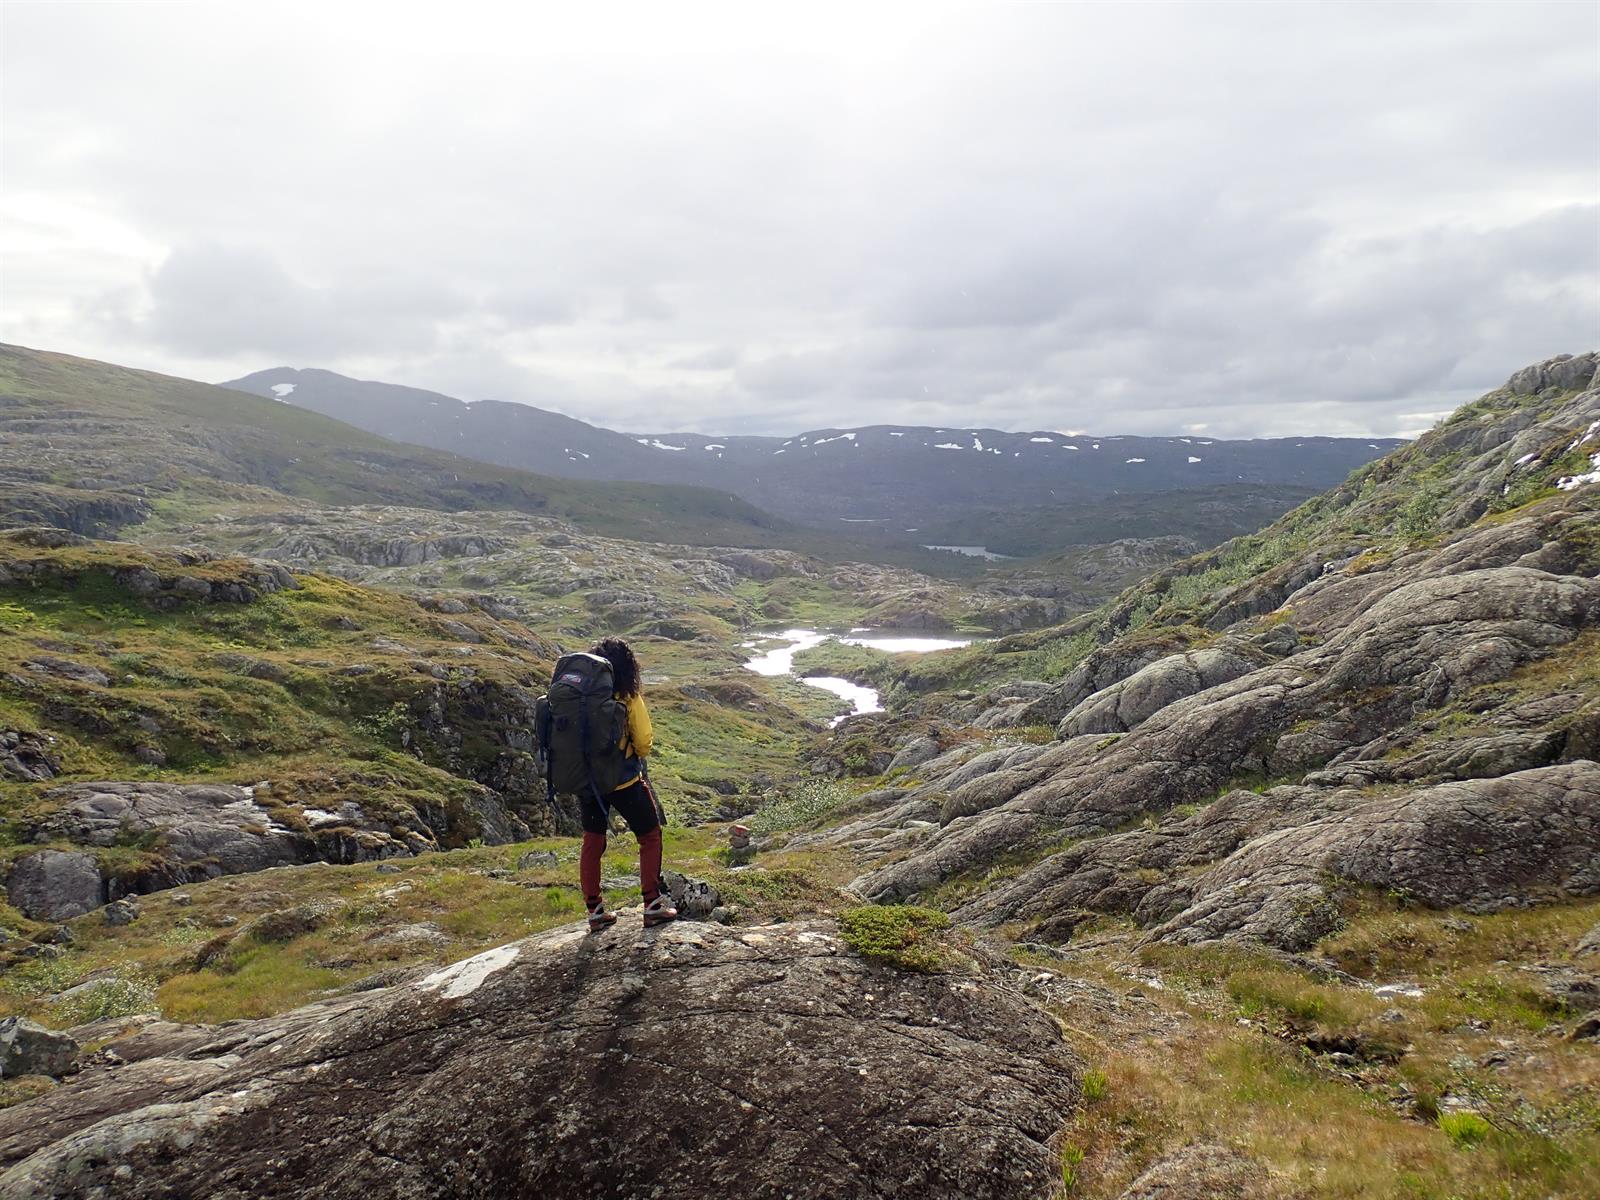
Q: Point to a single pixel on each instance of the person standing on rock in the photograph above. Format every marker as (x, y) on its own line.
(595, 733)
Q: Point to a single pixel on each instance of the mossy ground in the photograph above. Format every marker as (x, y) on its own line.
(1242, 1047)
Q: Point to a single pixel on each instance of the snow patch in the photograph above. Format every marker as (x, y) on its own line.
(1193, 459)
(1570, 482)
(896, 433)
(1044, 441)
(1133, 460)
(949, 446)
(280, 391)
(658, 444)
(467, 976)
(715, 446)
(1065, 446)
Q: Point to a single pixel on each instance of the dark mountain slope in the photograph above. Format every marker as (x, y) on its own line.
(91, 447)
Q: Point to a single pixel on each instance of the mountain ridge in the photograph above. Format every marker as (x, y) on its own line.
(892, 480)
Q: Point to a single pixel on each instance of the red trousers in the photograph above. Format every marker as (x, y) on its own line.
(639, 810)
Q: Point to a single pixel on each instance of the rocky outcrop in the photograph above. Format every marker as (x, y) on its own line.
(1482, 845)
(1428, 641)
(55, 885)
(163, 582)
(191, 832)
(28, 1048)
(770, 1060)
(27, 756)
(1126, 703)
(1337, 669)
(1564, 372)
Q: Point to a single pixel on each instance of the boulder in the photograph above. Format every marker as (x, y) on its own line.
(774, 1063)
(55, 885)
(695, 899)
(914, 753)
(27, 1048)
(121, 912)
(27, 756)
(536, 860)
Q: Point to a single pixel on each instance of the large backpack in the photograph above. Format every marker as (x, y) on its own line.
(579, 726)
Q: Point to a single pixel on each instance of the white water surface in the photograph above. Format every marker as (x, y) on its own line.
(973, 552)
(780, 660)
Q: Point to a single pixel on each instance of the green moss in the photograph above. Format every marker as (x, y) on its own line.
(899, 934)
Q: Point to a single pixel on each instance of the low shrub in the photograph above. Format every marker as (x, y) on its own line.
(899, 934)
(123, 995)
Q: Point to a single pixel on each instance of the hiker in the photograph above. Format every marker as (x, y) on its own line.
(595, 732)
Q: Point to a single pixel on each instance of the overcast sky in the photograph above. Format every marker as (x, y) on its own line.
(1236, 219)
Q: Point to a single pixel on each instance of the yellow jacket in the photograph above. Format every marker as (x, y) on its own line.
(639, 737)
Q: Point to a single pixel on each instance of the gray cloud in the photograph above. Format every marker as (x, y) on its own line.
(1260, 219)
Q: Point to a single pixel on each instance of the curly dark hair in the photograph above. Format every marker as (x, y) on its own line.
(624, 666)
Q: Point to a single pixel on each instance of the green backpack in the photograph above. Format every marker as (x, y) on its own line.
(578, 728)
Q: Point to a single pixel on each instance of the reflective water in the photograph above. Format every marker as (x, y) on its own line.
(779, 660)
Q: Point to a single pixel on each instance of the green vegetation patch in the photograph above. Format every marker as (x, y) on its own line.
(899, 934)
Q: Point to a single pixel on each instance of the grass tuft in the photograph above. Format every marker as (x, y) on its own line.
(1464, 1129)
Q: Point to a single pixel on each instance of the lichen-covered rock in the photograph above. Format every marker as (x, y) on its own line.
(1425, 643)
(55, 885)
(771, 1061)
(27, 1048)
(121, 912)
(27, 756)
(1484, 844)
(203, 830)
(1126, 703)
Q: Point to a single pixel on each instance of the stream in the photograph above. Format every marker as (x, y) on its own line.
(780, 660)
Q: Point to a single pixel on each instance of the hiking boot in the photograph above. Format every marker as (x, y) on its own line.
(659, 911)
(599, 918)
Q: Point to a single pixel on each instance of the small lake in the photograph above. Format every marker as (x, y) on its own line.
(974, 552)
(780, 660)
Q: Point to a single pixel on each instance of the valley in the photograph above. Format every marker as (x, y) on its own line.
(1235, 840)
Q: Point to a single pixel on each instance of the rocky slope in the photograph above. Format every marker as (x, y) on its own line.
(758, 1062)
(167, 717)
(1405, 698)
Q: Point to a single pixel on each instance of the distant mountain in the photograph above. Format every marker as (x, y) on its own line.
(92, 447)
(900, 479)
